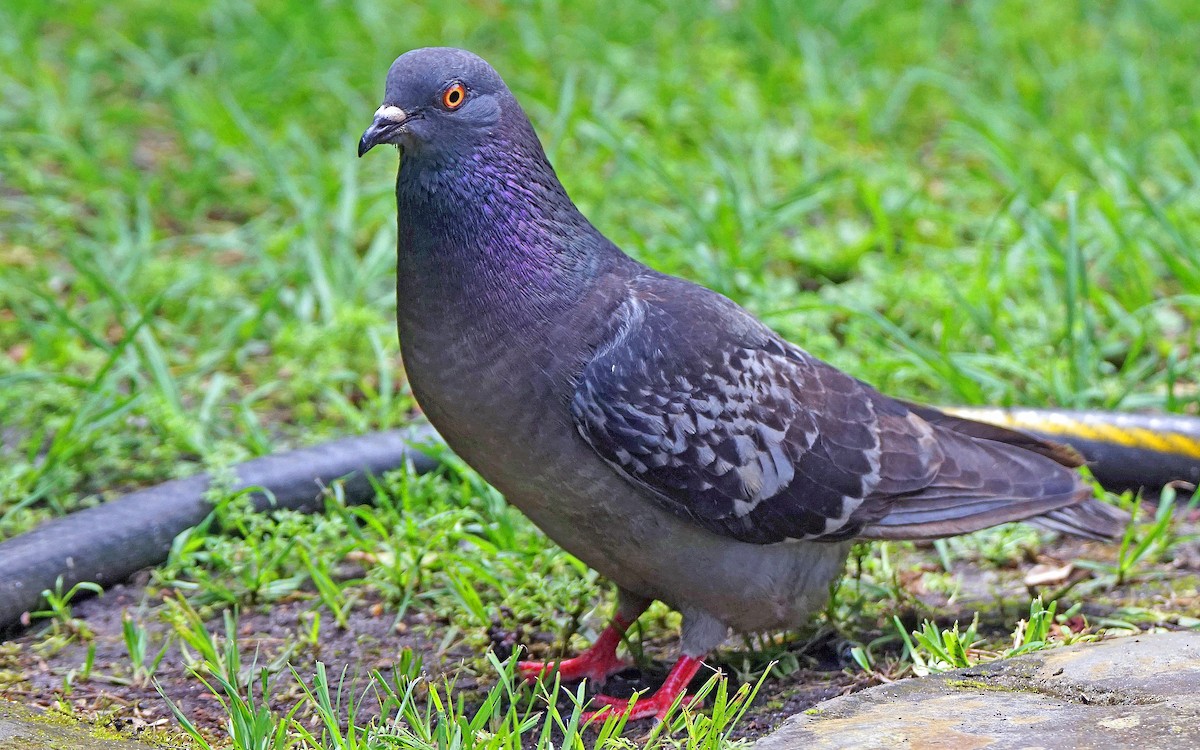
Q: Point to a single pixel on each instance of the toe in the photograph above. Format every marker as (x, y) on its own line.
(608, 700)
(530, 671)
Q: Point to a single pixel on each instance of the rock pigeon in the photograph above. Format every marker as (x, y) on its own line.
(652, 427)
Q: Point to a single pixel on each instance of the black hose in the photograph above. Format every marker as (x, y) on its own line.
(108, 543)
(1124, 450)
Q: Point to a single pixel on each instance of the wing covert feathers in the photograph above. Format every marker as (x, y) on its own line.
(722, 422)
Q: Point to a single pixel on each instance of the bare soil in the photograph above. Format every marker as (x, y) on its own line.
(1163, 596)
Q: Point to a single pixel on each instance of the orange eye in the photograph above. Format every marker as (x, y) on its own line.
(454, 96)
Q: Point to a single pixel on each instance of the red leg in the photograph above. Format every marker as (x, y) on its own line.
(656, 705)
(595, 664)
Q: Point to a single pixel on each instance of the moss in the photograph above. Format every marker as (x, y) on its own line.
(38, 730)
(976, 685)
(70, 722)
(11, 678)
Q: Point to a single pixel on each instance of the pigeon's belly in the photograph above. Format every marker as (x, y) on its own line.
(508, 418)
(630, 540)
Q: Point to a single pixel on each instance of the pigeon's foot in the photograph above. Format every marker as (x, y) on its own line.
(656, 705)
(595, 664)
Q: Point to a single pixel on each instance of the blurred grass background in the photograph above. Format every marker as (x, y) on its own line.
(980, 202)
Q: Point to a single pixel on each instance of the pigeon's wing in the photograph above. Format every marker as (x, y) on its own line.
(726, 424)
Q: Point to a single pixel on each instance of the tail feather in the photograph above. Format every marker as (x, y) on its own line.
(1090, 519)
(1059, 452)
(913, 522)
(990, 476)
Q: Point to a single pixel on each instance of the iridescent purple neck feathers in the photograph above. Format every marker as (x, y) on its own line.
(489, 222)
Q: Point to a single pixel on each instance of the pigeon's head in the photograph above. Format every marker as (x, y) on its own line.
(438, 100)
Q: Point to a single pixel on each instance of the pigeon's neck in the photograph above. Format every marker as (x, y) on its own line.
(493, 234)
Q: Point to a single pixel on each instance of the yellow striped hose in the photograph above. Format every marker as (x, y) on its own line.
(1124, 450)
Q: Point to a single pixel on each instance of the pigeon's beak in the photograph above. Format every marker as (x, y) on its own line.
(389, 122)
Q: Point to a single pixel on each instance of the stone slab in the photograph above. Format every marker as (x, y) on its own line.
(1141, 691)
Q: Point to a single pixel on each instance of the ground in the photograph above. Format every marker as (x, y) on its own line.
(983, 203)
(46, 667)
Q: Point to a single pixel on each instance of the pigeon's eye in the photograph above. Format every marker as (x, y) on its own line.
(454, 96)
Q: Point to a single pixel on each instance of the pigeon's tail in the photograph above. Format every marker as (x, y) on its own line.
(1090, 519)
(989, 476)
(1059, 452)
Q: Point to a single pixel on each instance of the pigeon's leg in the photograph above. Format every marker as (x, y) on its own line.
(701, 634)
(599, 661)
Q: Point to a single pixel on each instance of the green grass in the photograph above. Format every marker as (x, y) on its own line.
(982, 202)
(508, 716)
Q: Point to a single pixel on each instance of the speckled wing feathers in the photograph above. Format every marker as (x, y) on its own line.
(724, 423)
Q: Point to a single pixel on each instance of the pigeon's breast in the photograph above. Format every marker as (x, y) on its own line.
(493, 384)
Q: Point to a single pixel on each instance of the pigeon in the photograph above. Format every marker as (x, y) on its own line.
(650, 426)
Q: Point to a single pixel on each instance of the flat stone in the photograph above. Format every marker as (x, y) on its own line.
(25, 729)
(1140, 691)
